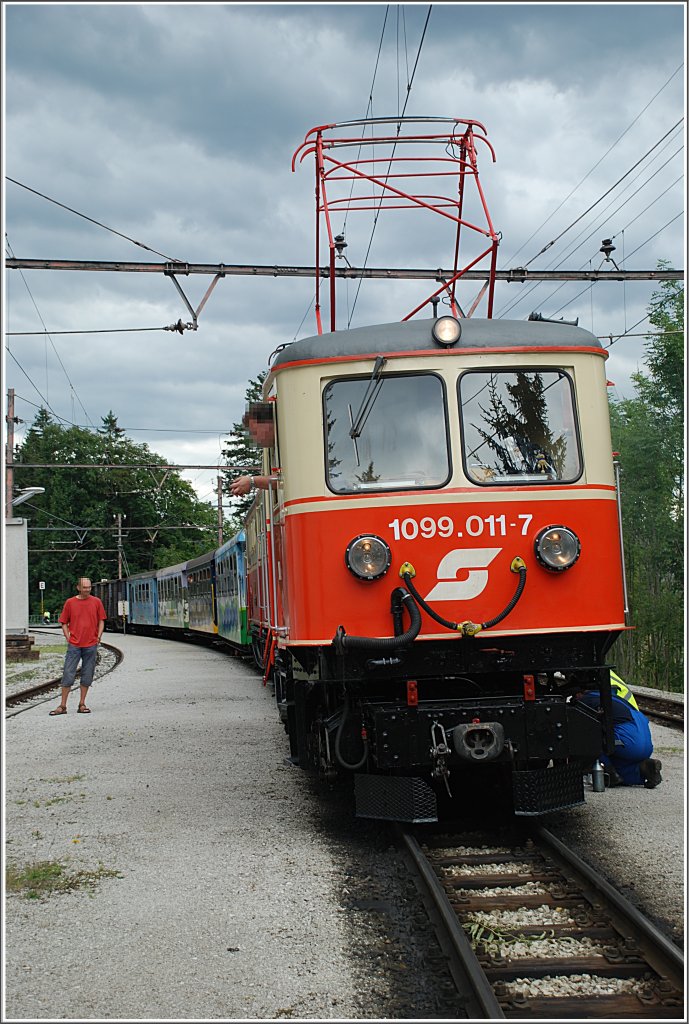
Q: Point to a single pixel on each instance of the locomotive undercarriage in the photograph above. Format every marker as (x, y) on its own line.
(448, 720)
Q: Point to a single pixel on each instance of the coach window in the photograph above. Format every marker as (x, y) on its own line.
(519, 427)
(386, 433)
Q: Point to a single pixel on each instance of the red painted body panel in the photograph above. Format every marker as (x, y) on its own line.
(323, 594)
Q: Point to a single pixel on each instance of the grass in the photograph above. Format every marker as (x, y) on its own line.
(484, 936)
(46, 878)
(67, 778)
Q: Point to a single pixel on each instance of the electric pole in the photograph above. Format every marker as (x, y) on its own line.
(119, 545)
(9, 454)
(219, 511)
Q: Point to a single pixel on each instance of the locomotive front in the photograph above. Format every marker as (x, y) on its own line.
(446, 560)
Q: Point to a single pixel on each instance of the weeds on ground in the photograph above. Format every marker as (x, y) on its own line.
(492, 939)
(46, 878)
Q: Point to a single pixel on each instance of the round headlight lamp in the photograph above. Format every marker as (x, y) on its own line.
(557, 548)
(446, 331)
(368, 557)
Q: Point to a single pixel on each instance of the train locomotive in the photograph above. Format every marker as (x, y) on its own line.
(436, 570)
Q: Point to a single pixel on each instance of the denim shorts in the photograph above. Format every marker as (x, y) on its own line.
(87, 656)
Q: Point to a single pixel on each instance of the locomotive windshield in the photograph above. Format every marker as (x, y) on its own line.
(519, 427)
(386, 433)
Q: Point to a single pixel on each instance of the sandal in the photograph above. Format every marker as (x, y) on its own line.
(83, 710)
(58, 711)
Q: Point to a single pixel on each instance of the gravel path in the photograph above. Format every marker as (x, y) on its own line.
(241, 895)
(240, 890)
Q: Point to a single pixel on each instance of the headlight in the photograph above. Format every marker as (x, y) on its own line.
(368, 557)
(446, 331)
(557, 548)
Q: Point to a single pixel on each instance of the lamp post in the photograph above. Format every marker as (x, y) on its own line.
(26, 493)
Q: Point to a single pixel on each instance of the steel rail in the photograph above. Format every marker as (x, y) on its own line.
(21, 696)
(463, 954)
(639, 922)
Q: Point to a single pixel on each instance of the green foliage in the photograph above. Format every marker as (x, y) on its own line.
(243, 455)
(82, 505)
(648, 432)
(44, 878)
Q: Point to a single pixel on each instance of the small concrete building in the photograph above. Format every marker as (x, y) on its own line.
(16, 601)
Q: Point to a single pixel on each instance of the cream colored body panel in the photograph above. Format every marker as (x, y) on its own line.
(299, 389)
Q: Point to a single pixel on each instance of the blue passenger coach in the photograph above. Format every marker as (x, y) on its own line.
(201, 589)
(142, 594)
(173, 597)
(230, 590)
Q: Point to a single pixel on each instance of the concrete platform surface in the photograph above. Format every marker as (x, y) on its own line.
(226, 902)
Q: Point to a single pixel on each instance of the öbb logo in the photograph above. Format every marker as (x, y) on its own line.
(475, 561)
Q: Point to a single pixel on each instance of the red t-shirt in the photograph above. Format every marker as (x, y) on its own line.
(82, 615)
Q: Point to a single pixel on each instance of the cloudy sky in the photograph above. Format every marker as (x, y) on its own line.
(175, 125)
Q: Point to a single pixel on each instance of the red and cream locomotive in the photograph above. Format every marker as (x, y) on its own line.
(436, 569)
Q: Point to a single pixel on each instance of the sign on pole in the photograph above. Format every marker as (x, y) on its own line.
(41, 585)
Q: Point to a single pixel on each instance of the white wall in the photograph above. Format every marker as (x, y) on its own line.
(16, 577)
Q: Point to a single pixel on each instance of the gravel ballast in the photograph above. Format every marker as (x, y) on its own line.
(244, 891)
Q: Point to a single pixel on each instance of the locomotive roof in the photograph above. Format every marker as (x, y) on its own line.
(415, 335)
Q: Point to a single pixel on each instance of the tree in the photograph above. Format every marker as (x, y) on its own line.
(243, 455)
(110, 426)
(648, 432)
(73, 526)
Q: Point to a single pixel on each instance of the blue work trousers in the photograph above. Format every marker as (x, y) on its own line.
(87, 657)
(633, 744)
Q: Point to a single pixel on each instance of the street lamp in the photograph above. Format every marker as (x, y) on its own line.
(26, 493)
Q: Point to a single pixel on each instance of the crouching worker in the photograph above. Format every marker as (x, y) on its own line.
(631, 764)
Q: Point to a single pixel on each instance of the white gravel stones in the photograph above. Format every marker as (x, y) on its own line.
(467, 870)
(466, 851)
(525, 917)
(571, 985)
(528, 889)
(540, 948)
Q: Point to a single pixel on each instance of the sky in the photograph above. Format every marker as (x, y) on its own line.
(174, 125)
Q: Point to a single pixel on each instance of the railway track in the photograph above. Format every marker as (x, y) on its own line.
(531, 930)
(28, 694)
(658, 709)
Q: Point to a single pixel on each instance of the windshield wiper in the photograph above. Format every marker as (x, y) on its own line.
(367, 402)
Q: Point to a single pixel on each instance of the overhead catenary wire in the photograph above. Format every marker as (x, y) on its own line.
(601, 198)
(47, 334)
(375, 219)
(45, 401)
(98, 223)
(137, 430)
(597, 164)
(539, 284)
(603, 215)
(654, 235)
(100, 330)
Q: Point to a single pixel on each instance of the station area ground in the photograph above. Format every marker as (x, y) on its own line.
(220, 873)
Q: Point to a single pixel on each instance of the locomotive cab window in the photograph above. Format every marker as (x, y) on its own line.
(386, 433)
(519, 427)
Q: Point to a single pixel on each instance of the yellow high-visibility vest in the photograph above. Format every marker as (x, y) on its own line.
(621, 690)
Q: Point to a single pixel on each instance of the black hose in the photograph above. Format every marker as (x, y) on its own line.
(426, 607)
(470, 628)
(338, 736)
(344, 641)
(517, 594)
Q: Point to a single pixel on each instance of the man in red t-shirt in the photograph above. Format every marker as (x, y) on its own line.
(83, 621)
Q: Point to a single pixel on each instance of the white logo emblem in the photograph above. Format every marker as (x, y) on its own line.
(476, 561)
